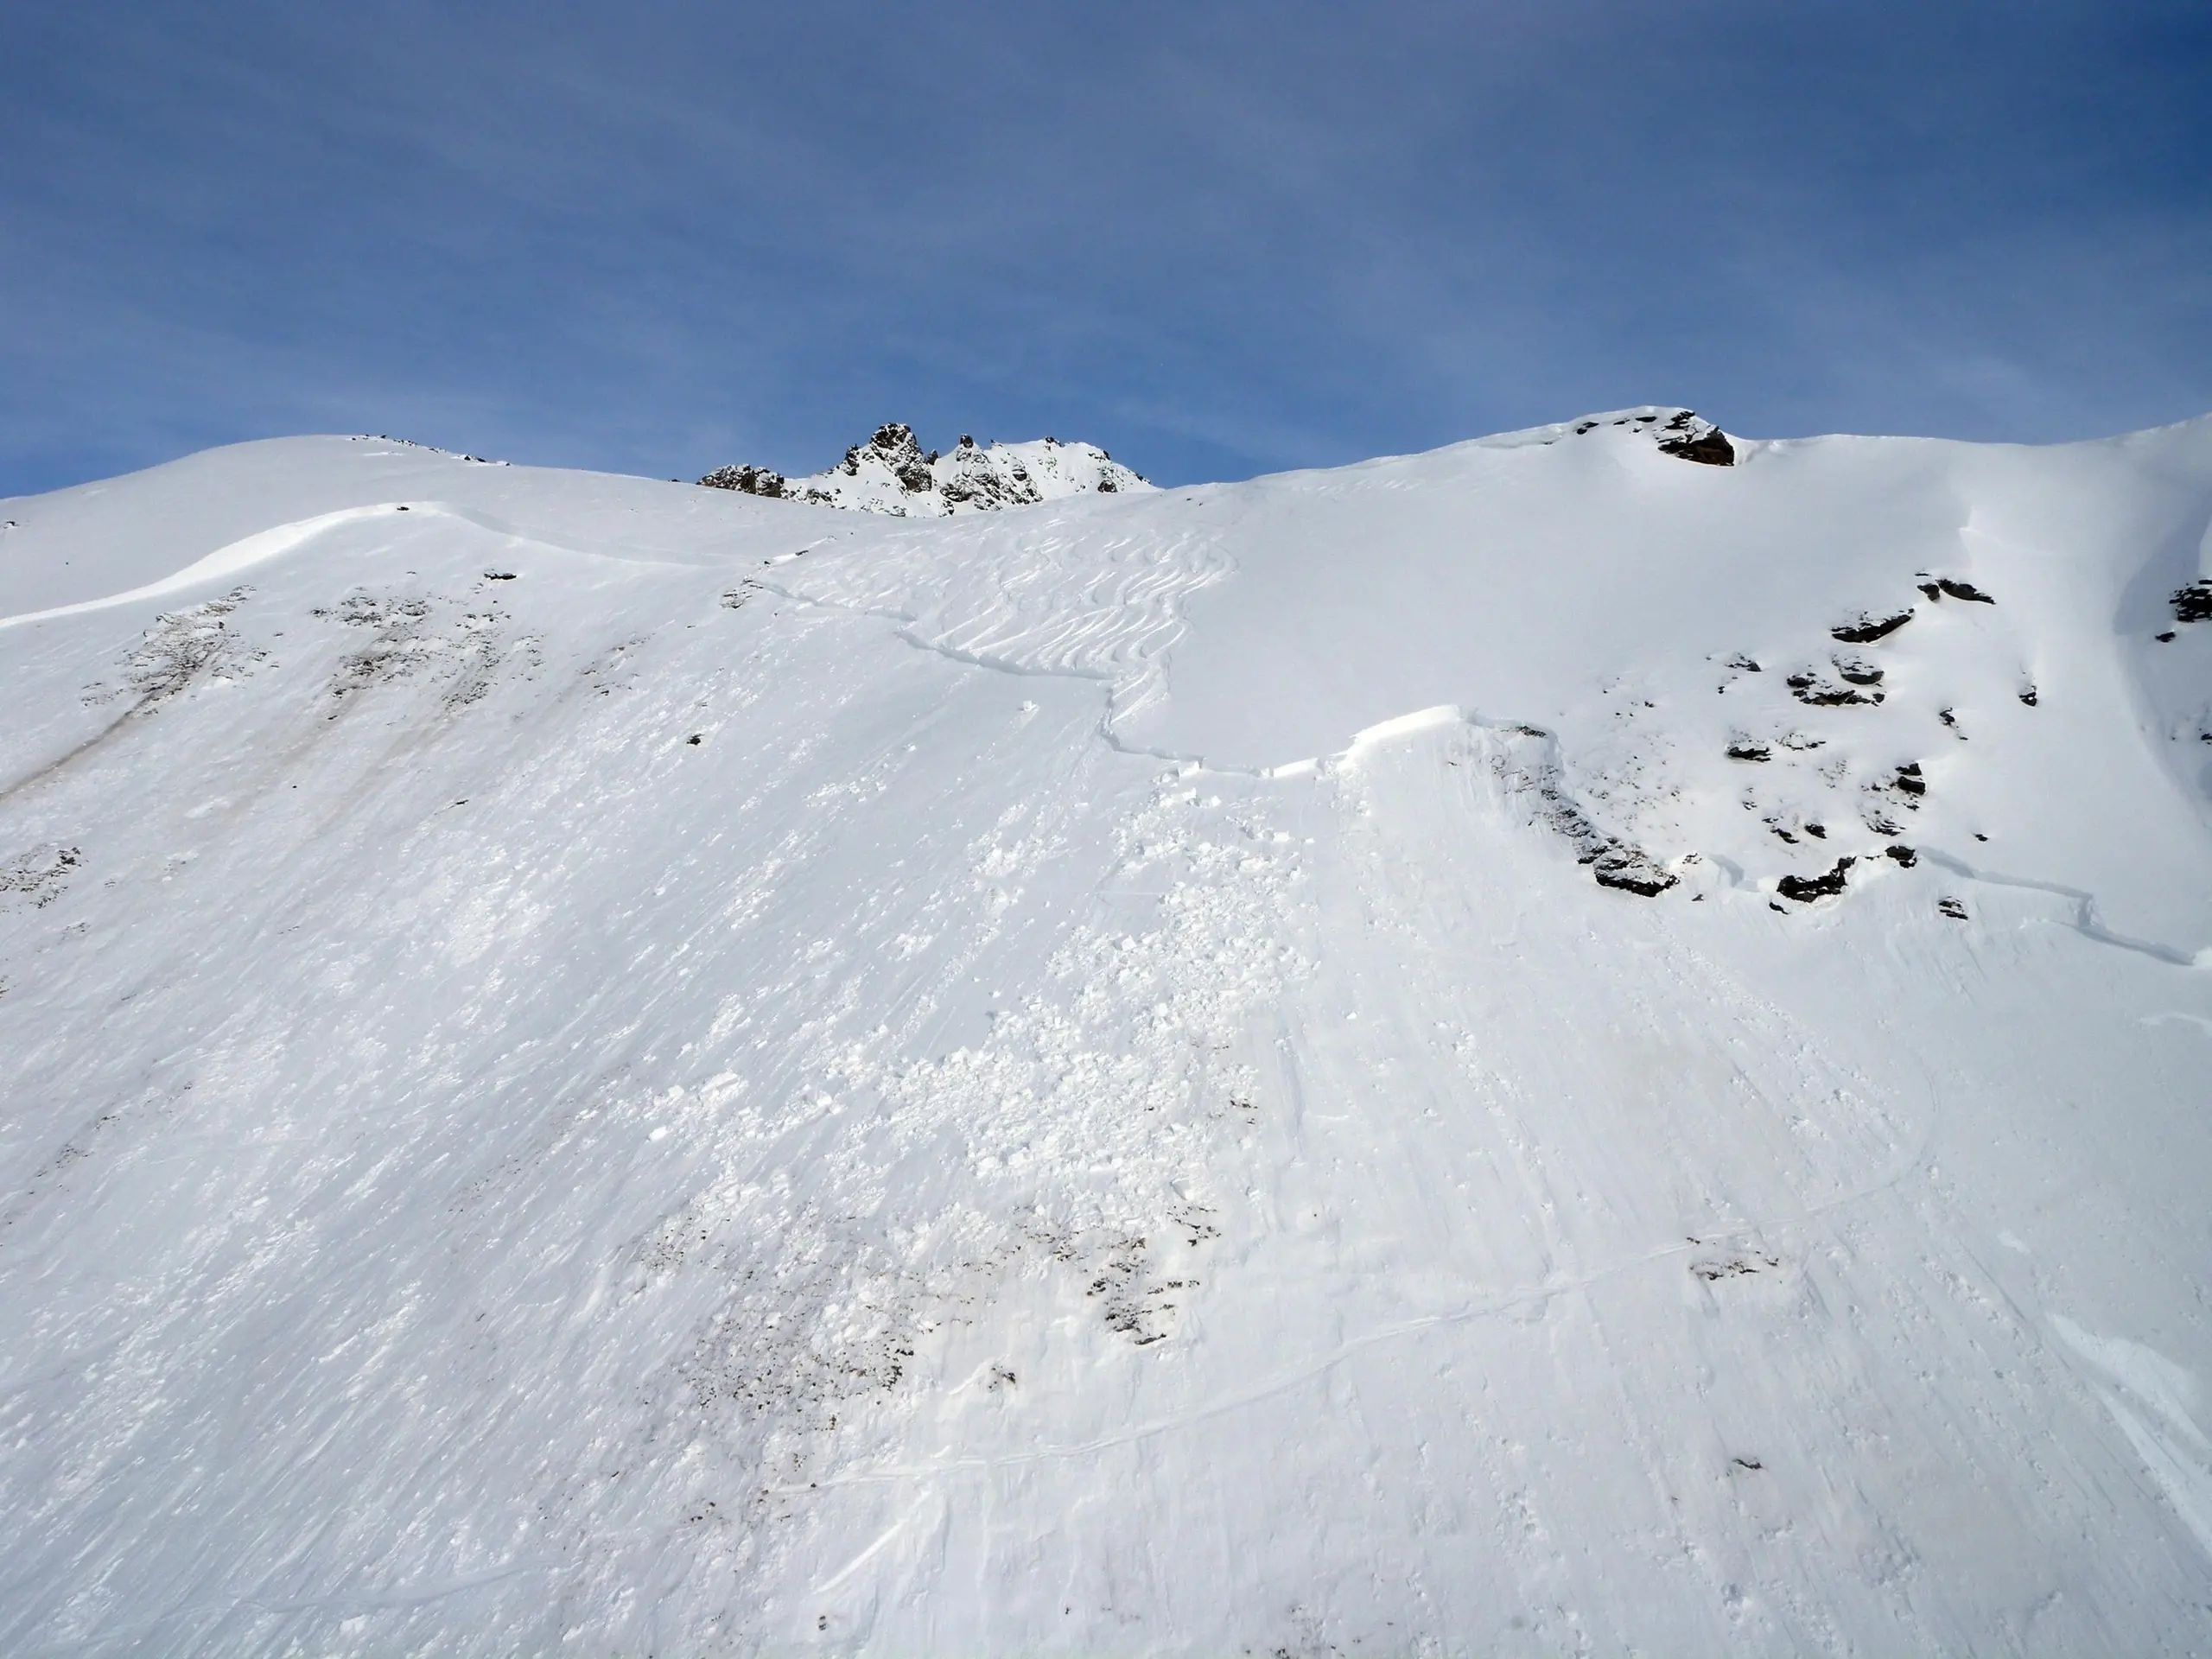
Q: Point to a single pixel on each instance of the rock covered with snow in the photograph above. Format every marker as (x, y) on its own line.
(891, 474)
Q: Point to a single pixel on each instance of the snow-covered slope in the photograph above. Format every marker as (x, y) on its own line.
(604, 1062)
(891, 474)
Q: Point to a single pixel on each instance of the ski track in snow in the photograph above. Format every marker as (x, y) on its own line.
(568, 1091)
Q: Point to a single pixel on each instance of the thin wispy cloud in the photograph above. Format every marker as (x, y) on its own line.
(1216, 241)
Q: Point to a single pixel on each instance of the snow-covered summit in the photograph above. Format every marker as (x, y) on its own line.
(891, 474)
(1546, 1046)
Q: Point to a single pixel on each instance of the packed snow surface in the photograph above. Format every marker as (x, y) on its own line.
(1539, 1047)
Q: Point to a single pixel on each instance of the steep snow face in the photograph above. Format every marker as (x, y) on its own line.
(891, 474)
(1423, 1057)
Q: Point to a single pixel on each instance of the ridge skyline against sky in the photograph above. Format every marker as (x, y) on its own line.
(1216, 245)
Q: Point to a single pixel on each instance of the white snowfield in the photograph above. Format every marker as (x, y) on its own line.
(600, 1065)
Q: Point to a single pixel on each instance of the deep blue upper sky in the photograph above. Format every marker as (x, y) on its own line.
(1219, 240)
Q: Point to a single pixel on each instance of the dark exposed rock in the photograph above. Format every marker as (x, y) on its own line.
(1858, 671)
(1747, 751)
(891, 474)
(1960, 590)
(2193, 602)
(1953, 908)
(893, 445)
(1630, 870)
(1869, 628)
(2028, 695)
(1810, 688)
(1612, 862)
(42, 875)
(1902, 854)
(750, 481)
(1712, 448)
(1806, 888)
(1909, 780)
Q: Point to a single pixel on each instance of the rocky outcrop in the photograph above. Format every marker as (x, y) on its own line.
(891, 474)
(752, 480)
(1679, 432)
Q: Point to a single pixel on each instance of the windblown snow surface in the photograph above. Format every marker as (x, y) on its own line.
(599, 1065)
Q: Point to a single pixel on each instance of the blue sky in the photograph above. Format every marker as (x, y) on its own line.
(1220, 239)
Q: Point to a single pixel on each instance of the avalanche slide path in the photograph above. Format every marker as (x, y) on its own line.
(1538, 1048)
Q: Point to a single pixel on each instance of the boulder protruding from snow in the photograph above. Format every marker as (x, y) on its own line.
(1694, 438)
(891, 474)
(751, 480)
(1681, 432)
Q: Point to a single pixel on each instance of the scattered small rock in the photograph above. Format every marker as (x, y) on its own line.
(42, 875)
(1732, 1264)
(1810, 687)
